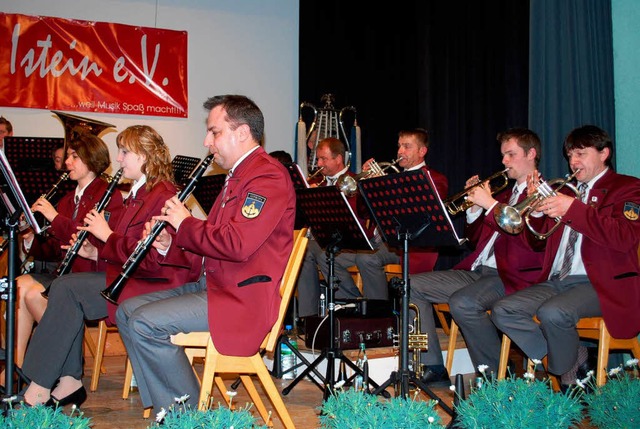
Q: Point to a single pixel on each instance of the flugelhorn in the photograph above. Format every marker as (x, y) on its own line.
(349, 184)
(510, 218)
(114, 290)
(72, 252)
(460, 202)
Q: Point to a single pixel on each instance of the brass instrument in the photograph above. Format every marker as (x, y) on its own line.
(510, 218)
(348, 185)
(460, 202)
(313, 176)
(113, 291)
(75, 125)
(418, 341)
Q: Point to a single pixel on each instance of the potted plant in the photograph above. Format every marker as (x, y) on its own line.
(616, 403)
(518, 403)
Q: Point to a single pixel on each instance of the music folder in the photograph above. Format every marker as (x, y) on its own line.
(409, 202)
(16, 198)
(331, 218)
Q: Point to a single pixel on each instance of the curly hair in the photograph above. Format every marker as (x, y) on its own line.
(144, 140)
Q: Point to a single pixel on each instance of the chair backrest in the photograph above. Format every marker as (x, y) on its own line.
(288, 285)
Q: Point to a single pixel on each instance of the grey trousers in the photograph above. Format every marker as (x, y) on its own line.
(558, 304)
(55, 349)
(146, 323)
(436, 287)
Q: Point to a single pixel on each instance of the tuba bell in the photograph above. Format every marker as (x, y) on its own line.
(348, 185)
(75, 125)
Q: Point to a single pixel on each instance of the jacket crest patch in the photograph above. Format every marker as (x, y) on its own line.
(252, 205)
(631, 210)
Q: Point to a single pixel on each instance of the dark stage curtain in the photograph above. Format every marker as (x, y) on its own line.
(457, 68)
(571, 73)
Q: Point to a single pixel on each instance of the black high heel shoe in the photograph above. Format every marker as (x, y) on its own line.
(76, 398)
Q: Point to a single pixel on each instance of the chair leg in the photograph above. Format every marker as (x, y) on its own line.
(272, 392)
(504, 357)
(97, 364)
(451, 348)
(128, 375)
(255, 397)
(603, 354)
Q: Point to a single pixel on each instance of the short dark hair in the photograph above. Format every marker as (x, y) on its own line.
(420, 134)
(282, 155)
(7, 124)
(589, 136)
(240, 110)
(526, 138)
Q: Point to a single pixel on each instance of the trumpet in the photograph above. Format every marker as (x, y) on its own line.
(510, 218)
(418, 341)
(349, 184)
(460, 201)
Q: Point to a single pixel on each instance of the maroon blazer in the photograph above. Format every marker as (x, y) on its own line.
(246, 240)
(63, 226)
(152, 274)
(518, 264)
(611, 234)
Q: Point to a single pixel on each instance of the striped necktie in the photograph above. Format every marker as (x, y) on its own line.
(569, 252)
(76, 200)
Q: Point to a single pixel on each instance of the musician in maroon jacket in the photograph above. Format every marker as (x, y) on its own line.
(413, 146)
(87, 158)
(499, 264)
(245, 242)
(55, 350)
(330, 153)
(590, 272)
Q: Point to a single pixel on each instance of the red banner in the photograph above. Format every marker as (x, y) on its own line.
(62, 64)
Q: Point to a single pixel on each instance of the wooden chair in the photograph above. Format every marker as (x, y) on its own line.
(216, 364)
(594, 328)
(97, 350)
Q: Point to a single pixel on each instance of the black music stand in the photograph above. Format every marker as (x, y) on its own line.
(298, 179)
(407, 207)
(16, 205)
(208, 189)
(182, 168)
(334, 225)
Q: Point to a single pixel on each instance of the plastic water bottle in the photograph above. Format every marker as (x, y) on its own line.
(287, 358)
(322, 306)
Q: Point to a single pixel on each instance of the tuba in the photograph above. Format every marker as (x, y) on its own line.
(75, 125)
(459, 202)
(348, 185)
(510, 218)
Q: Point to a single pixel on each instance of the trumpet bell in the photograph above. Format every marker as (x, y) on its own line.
(508, 219)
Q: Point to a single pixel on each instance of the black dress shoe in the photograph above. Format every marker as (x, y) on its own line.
(434, 376)
(76, 398)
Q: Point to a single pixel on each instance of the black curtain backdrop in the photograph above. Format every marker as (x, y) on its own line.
(457, 68)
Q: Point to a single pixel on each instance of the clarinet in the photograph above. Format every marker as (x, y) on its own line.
(112, 292)
(72, 252)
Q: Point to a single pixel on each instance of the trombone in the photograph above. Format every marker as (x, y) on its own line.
(313, 176)
(460, 201)
(510, 218)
